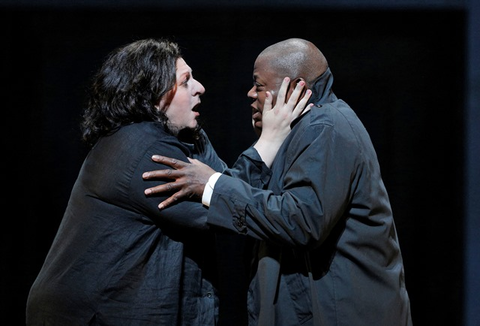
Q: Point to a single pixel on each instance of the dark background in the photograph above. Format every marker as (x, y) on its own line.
(403, 70)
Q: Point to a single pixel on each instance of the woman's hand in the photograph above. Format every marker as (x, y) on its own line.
(276, 121)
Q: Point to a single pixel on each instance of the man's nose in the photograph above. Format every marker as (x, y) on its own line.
(252, 93)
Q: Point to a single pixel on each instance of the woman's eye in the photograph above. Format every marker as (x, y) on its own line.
(186, 79)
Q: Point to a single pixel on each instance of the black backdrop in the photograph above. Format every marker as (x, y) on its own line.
(401, 71)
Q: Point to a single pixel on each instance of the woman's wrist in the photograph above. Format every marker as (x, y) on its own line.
(267, 149)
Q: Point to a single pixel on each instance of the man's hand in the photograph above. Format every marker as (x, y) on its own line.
(190, 179)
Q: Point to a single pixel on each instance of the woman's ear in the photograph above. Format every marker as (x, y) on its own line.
(161, 104)
(165, 100)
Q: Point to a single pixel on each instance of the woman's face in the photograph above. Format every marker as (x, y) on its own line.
(180, 110)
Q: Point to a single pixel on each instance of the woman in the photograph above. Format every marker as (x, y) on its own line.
(117, 259)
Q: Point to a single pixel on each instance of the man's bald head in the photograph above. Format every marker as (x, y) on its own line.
(296, 58)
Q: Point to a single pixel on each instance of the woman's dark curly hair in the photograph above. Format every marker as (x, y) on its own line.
(128, 87)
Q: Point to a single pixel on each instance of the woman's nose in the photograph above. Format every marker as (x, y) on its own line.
(199, 89)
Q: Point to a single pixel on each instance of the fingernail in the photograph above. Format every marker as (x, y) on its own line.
(148, 191)
(160, 206)
(287, 79)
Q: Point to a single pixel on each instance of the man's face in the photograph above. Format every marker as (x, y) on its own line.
(264, 79)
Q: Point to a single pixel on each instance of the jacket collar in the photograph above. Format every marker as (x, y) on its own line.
(322, 89)
(322, 93)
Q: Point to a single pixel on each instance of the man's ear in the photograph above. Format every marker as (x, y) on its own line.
(293, 84)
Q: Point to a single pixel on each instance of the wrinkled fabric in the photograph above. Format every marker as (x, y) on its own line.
(117, 259)
(328, 252)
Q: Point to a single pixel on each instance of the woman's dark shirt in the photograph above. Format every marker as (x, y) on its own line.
(117, 259)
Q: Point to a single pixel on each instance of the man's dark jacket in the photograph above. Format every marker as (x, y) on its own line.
(329, 253)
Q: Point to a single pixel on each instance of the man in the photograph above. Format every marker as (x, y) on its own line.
(328, 252)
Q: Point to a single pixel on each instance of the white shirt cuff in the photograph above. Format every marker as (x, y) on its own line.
(208, 191)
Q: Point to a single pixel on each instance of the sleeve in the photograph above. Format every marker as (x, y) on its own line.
(313, 197)
(250, 168)
(208, 191)
(184, 213)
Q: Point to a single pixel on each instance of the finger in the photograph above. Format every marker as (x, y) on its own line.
(292, 101)
(169, 201)
(159, 174)
(167, 187)
(300, 107)
(283, 90)
(194, 161)
(308, 108)
(172, 162)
